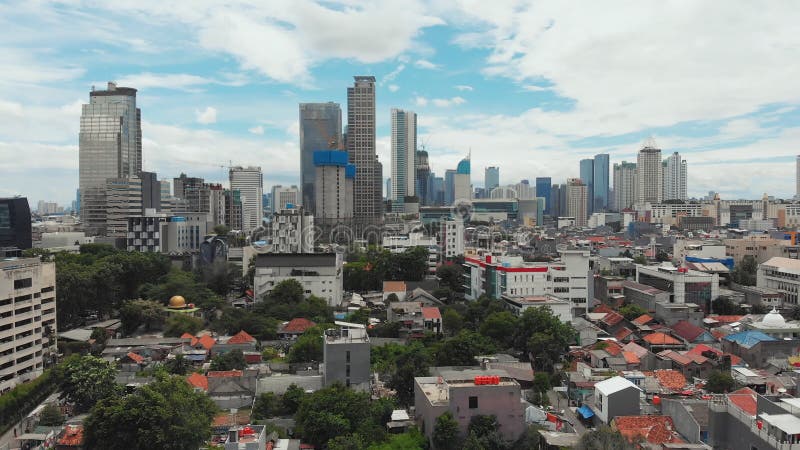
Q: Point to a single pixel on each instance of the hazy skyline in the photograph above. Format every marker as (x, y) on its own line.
(532, 89)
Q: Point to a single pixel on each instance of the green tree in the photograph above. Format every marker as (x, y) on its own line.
(410, 440)
(221, 230)
(632, 311)
(482, 425)
(725, 306)
(136, 313)
(51, 416)
(452, 322)
(461, 350)
(232, 360)
(604, 438)
(744, 272)
(413, 362)
(720, 382)
(542, 337)
(292, 398)
(451, 276)
(445, 433)
(499, 326)
(185, 284)
(640, 259)
(85, 380)
(662, 256)
(479, 310)
(308, 347)
(178, 324)
(287, 291)
(178, 365)
(166, 414)
(347, 442)
(541, 382)
(257, 324)
(266, 405)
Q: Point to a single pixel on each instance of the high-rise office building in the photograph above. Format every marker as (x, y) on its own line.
(648, 173)
(216, 202)
(110, 146)
(462, 184)
(600, 185)
(624, 185)
(587, 177)
(192, 194)
(320, 129)
(15, 223)
(423, 173)
(797, 177)
(404, 152)
(674, 173)
(449, 187)
(576, 201)
(525, 191)
(491, 178)
(151, 191)
(284, 197)
(123, 199)
(367, 201)
(250, 184)
(333, 187)
(233, 209)
(437, 188)
(543, 190)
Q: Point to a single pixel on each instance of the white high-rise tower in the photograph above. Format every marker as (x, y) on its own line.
(674, 177)
(404, 149)
(249, 182)
(649, 174)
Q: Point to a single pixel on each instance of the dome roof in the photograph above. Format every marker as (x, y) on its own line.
(463, 166)
(177, 302)
(773, 319)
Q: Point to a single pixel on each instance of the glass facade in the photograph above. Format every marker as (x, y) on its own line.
(320, 129)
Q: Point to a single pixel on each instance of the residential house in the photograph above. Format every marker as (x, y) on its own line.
(614, 397)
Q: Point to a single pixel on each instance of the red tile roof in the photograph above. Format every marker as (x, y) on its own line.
(602, 308)
(661, 339)
(197, 380)
(431, 312)
(633, 347)
(643, 319)
(298, 325)
(671, 379)
(206, 341)
(242, 337)
(187, 336)
(394, 286)
(725, 319)
(631, 358)
(72, 437)
(687, 330)
(623, 333)
(655, 429)
(138, 359)
(224, 373)
(700, 348)
(612, 318)
(744, 399)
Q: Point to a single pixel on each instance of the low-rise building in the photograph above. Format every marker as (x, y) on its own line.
(558, 306)
(468, 393)
(615, 396)
(346, 356)
(782, 275)
(319, 273)
(684, 286)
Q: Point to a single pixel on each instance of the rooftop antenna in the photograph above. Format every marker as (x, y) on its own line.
(650, 142)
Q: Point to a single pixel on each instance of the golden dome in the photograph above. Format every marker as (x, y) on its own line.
(177, 302)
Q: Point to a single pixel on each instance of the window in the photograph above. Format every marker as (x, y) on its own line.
(347, 371)
(473, 402)
(23, 283)
(347, 356)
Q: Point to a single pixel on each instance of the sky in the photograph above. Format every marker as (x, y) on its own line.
(532, 87)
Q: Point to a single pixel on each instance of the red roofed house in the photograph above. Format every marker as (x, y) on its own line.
(644, 319)
(689, 364)
(745, 400)
(198, 381)
(71, 438)
(432, 319)
(232, 388)
(397, 288)
(692, 333)
(239, 341)
(295, 328)
(654, 429)
(658, 342)
(205, 342)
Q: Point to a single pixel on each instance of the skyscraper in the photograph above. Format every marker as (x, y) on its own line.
(674, 178)
(110, 146)
(648, 174)
(797, 177)
(15, 223)
(576, 201)
(367, 201)
(587, 177)
(320, 129)
(404, 152)
(423, 174)
(462, 184)
(334, 186)
(600, 184)
(449, 187)
(283, 196)
(624, 185)
(249, 182)
(491, 178)
(543, 189)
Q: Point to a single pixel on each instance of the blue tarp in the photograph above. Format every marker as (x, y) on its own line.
(585, 412)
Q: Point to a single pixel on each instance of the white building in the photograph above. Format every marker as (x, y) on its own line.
(782, 275)
(249, 182)
(401, 243)
(333, 186)
(283, 196)
(404, 149)
(684, 285)
(451, 238)
(569, 278)
(649, 175)
(293, 231)
(319, 273)
(558, 306)
(576, 201)
(161, 233)
(624, 185)
(674, 177)
(27, 319)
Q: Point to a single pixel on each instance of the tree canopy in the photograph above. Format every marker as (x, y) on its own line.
(167, 414)
(85, 380)
(368, 270)
(445, 433)
(542, 336)
(720, 382)
(232, 360)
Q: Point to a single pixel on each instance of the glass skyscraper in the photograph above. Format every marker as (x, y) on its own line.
(110, 146)
(543, 187)
(600, 185)
(320, 129)
(587, 177)
(404, 149)
(367, 202)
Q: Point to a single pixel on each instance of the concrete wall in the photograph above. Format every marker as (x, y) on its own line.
(684, 422)
(335, 357)
(502, 401)
(621, 403)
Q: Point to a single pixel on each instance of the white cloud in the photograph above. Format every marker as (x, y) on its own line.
(425, 64)
(256, 130)
(651, 66)
(464, 87)
(207, 116)
(293, 129)
(447, 102)
(177, 81)
(420, 101)
(535, 88)
(392, 75)
(394, 87)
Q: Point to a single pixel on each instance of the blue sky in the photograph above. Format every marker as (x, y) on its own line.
(532, 87)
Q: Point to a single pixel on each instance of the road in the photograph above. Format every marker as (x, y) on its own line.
(560, 402)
